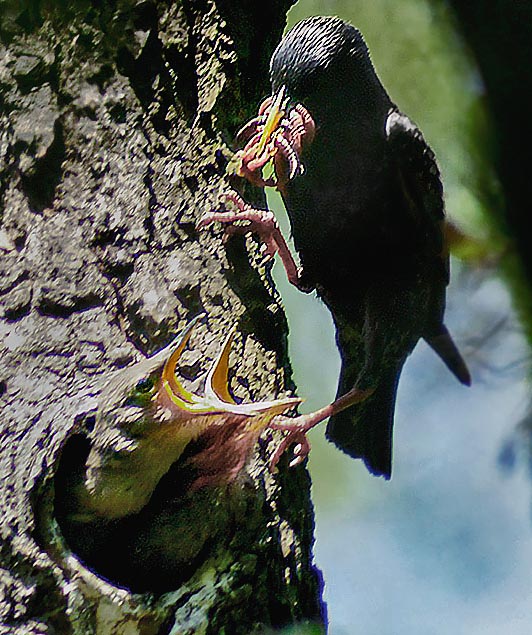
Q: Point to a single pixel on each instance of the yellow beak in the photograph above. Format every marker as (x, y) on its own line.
(275, 114)
(216, 399)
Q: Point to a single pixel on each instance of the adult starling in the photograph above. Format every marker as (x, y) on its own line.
(366, 216)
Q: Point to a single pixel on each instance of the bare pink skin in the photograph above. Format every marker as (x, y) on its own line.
(297, 427)
(295, 131)
(223, 454)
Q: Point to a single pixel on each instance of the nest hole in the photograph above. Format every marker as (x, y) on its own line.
(162, 546)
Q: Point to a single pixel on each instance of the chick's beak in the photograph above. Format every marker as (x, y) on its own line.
(217, 398)
(169, 380)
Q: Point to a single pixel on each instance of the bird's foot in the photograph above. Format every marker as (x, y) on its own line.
(298, 427)
(297, 435)
(277, 133)
(263, 223)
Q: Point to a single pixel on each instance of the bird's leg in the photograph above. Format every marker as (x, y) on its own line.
(263, 223)
(298, 427)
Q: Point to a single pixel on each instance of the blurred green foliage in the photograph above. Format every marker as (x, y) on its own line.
(430, 74)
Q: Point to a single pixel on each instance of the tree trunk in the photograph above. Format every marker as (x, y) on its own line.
(116, 119)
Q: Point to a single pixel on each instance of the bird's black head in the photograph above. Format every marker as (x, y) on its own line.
(323, 60)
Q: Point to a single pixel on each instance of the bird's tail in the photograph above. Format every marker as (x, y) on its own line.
(365, 430)
(443, 345)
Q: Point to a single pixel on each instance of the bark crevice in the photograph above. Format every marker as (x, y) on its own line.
(115, 124)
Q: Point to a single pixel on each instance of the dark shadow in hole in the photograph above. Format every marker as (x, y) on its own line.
(41, 182)
(159, 548)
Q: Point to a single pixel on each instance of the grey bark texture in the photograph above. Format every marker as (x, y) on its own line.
(116, 120)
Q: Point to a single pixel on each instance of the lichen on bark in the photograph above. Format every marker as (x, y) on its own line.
(116, 122)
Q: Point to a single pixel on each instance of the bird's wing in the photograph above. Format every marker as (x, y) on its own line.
(419, 179)
(420, 182)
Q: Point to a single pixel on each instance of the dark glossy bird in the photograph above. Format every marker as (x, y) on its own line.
(366, 215)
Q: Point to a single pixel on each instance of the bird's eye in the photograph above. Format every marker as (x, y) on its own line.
(144, 385)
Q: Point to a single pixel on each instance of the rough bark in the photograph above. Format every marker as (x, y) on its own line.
(116, 120)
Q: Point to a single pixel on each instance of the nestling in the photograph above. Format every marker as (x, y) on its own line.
(144, 423)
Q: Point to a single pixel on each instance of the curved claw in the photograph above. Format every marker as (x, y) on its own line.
(307, 123)
(250, 128)
(265, 104)
(301, 450)
(291, 156)
(254, 176)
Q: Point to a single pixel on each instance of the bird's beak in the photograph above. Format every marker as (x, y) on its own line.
(216, 381)
(216, 397)
(169, 380)
(276, 113)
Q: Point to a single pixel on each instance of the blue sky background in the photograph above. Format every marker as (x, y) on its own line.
(446, 546)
